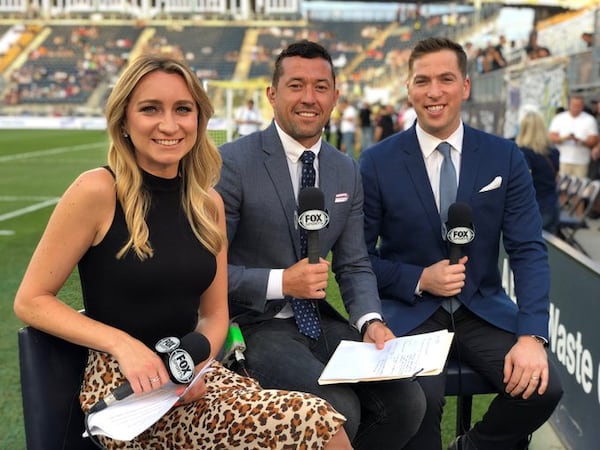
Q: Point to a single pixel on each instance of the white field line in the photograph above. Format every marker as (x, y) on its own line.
(43, 203)
(50, 151)
(28, 209)
(24, 198)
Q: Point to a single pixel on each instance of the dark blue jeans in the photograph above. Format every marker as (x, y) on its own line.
(380, 415)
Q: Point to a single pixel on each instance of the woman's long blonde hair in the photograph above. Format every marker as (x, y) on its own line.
(200, 168)
(533, 133)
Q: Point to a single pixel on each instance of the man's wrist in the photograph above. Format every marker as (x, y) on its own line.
(363, 329)
(275, 285)
(539, 339)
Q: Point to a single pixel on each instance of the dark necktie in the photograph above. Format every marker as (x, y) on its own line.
(447, 197)
(305, 310)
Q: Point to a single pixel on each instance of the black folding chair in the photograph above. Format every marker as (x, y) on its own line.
(573, 184)
(51, 373)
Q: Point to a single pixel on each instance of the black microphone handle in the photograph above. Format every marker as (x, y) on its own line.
(455, 253)
(312, 246)
(119, 393)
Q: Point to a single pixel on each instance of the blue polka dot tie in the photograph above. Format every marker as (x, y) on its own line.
(305, 311)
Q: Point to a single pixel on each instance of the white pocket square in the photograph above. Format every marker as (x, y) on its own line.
(341, 198)
(495, 184)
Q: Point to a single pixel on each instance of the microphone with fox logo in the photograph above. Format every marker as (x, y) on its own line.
(180, 358)
(312, 217)
(460, 229)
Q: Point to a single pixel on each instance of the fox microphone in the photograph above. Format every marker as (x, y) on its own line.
(460, 229)
(312, 217)
(180, 358)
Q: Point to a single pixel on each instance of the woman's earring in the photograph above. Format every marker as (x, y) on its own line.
(125, 135)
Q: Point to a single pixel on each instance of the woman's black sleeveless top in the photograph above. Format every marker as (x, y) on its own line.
(160, 296)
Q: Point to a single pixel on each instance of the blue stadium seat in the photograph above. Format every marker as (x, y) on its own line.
(464, 386)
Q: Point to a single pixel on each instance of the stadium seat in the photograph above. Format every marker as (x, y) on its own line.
(562, 185)
(569, 199)
(51, 372)
(464, 384)
(574, 219)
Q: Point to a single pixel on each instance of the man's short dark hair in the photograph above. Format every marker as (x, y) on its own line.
(437, 44)
(304, 49)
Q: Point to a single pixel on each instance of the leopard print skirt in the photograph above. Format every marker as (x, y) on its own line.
(235, 413)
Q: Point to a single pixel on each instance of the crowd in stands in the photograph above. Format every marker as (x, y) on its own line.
(212, 52)
(73, 61)
(499, 53)
(69, 65)
(355, 127)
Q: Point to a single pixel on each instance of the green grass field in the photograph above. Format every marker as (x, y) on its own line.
(35, 168)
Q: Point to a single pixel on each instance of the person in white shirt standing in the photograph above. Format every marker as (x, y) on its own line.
(248, 119)
(348, 127)
(575, 133)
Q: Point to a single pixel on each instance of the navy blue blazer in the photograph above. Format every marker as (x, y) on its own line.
(402, 232)
(261, 208)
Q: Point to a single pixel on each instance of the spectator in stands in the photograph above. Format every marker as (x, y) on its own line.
(541, 52)
(348, 122)
(470, 50)
(594, 167)
(542, 157)
(492, 59)
(501, 49)
(533, 50)
(588, 38)
(365, 114)
(407, 179)
(334, 128)
(532, 45)
(248, 119)
(385, 123)
(406, 117)
(148, 235)
(575, 132)
(269, 276)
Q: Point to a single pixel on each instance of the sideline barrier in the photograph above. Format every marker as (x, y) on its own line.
(75, 123)
(217, 127)
(574, 341)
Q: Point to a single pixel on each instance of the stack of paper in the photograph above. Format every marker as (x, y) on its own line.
(403, 357)
(127, 418)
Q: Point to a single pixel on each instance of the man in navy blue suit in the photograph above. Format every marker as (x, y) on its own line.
(422, 291)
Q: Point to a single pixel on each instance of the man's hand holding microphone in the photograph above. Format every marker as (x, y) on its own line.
(307, 279)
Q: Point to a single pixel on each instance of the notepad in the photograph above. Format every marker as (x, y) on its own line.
(403, 357)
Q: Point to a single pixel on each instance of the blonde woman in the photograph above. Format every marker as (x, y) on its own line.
(147, 234)
(543, 160)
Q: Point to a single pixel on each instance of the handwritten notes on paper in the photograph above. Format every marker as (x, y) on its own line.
(402, 357)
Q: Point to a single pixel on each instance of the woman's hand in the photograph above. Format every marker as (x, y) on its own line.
(142, 367)
(196, 392)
